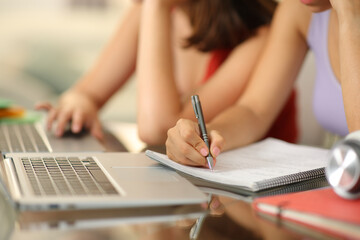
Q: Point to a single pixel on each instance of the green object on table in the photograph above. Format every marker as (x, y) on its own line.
(5, 103)
(29, 117)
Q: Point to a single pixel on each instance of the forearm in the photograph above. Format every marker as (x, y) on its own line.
(158, 99)
(349, 53)
(271, 84)
(116, 63)
(239, 126)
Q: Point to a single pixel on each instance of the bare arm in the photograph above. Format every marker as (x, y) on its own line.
(272, 81)
(113, 68)
(159, 102)
(348, 13)
(155, 69)
(250, 118)
(117, 62)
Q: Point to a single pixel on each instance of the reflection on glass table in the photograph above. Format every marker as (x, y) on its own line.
(224, 218)
(126, 223)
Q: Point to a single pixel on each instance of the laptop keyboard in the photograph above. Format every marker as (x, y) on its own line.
(21, 138)
(69, 176)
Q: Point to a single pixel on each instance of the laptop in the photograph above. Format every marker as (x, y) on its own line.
(86, 180)
(29, 135)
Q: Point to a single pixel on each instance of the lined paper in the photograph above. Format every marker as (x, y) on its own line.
(248, 166)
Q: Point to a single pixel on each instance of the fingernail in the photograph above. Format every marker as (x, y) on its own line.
(58, 133)
(204, 152)
(215, 204)
(76, 128)
(216, 151)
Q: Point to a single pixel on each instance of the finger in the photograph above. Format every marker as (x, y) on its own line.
(180, 151)
(62, 120)
(77, 121)
(43, 106)
(179, 144)
(189, 132)
(217, 143)
(180, 156)
(96, 130)
(51, 118)
(216, 207)
(185, 223)
(88, 122)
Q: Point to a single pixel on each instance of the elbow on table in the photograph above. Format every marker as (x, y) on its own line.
(152, 135)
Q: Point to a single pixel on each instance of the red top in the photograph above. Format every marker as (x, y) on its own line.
(285, 126)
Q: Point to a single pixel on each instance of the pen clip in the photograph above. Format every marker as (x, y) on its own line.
(194, 101)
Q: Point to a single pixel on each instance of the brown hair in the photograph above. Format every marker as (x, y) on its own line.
(223, 24)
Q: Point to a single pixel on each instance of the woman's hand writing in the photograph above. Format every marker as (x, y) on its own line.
(185, 146)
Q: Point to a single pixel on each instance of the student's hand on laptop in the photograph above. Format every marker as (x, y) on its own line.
(185, 146)
(74, 107)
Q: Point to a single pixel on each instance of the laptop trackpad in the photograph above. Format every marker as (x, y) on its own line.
(142, 174)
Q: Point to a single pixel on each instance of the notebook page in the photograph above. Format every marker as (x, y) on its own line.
(247, 166)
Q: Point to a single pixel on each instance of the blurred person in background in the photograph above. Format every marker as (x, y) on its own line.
(178, 48)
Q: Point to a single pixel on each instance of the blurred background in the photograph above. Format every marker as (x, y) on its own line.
(46, 45)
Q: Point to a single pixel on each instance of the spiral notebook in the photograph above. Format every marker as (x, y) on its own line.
(261, 166)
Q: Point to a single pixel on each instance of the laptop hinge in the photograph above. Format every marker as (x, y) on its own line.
(3, 177)
(12, 179)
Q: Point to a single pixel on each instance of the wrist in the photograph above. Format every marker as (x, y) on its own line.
(88, 96)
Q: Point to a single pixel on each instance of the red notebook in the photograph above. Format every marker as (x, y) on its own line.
(319, 209)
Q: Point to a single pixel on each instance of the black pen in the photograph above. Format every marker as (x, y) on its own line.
(200, 117)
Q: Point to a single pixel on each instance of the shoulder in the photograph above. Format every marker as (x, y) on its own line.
(262, 31)
(294, 14)
(255, 42)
